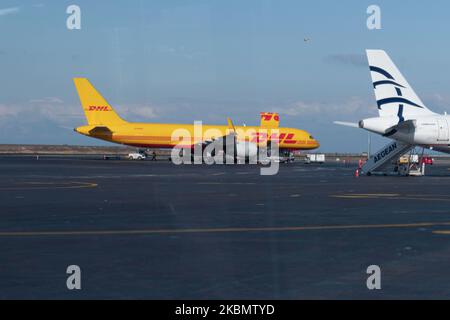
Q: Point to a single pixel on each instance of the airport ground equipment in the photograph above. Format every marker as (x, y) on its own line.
(402, 117)
(387, 161)
(136, 156)
(384, 158)
(314, 158)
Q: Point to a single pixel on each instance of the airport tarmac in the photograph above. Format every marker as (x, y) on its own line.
(153, 230)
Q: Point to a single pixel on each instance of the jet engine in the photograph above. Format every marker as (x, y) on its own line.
(246, 150)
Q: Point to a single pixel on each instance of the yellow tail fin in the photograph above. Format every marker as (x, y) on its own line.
(96, 109)
(269, 120)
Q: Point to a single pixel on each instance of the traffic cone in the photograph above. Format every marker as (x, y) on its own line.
(357, 173)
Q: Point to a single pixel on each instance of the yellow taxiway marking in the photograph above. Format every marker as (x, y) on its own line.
(226, 183)
(392, 196)
(446, 232)
(366, 195)
(49, 185)
(219, 230)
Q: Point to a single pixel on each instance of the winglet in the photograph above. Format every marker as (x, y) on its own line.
(231, 125)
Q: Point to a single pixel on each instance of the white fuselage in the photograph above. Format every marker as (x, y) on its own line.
(427, 131)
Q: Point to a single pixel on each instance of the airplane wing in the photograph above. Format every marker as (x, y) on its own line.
(226, 139)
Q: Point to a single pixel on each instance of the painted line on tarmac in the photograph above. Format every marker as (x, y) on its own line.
(221, 230)
(392, 196)
(442, 232)
(49, 186)
(227, 183)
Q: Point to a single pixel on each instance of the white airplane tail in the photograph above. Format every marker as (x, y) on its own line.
(395, 97)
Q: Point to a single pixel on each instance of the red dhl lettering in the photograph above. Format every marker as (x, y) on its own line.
(270, 116)
(98, 108)
(287, 138)
(259, 137)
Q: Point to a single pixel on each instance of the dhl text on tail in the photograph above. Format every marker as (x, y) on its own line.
(104, 123)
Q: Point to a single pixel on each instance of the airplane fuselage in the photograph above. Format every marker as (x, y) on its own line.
(154, 135)
(427, 131)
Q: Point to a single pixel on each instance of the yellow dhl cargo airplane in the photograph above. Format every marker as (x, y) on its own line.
(105, 124)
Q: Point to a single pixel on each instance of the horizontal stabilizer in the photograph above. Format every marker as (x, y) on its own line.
(347, 124)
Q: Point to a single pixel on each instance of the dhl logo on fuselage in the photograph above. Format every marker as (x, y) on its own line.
(98, 108)
(259, 137)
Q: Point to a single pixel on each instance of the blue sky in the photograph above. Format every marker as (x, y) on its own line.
(180, 61)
